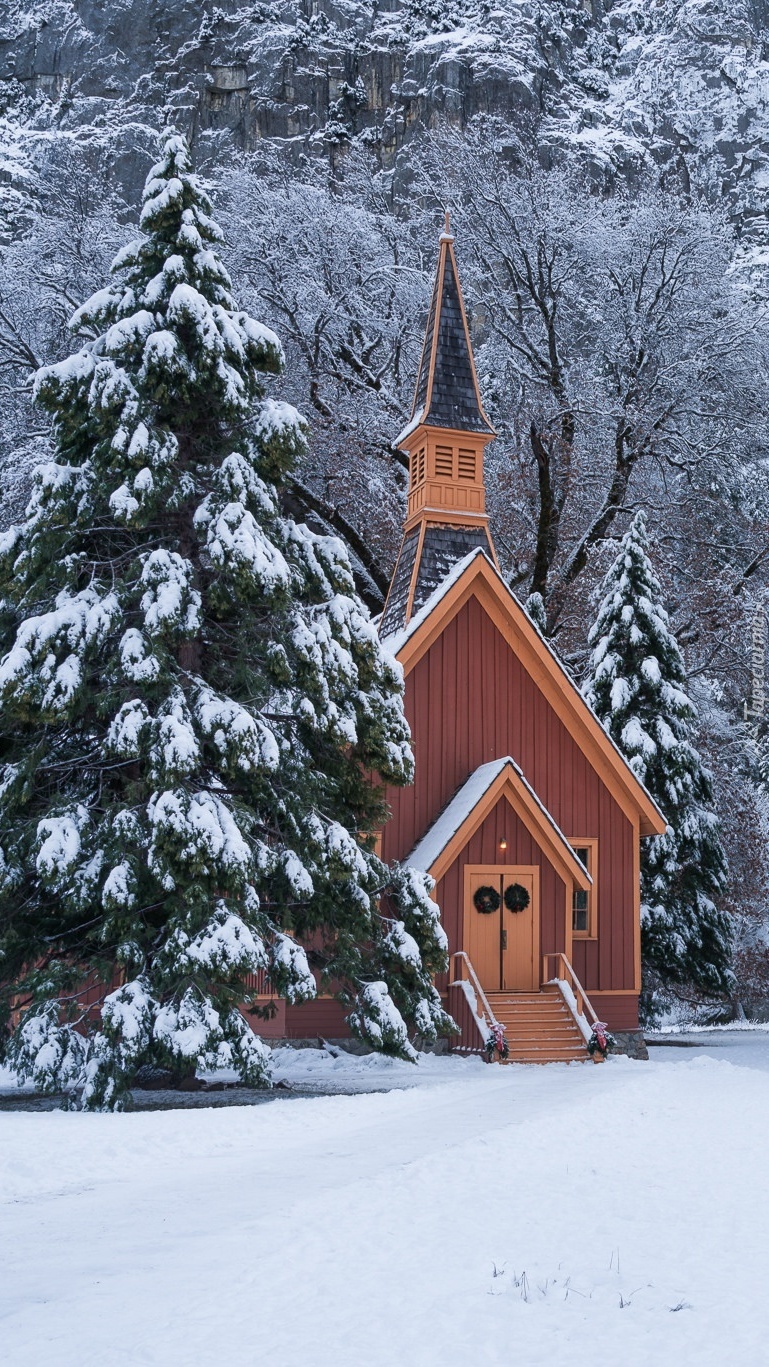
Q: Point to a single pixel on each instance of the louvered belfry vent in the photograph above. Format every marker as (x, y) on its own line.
(444, 462)
(445, 440)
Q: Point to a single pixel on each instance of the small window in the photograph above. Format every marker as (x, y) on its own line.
(467, 465)
(444, 462)
(583, 906)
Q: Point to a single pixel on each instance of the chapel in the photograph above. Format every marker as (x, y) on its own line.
(523, 810)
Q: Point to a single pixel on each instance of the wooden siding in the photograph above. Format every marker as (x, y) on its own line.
(323, 1017)
(469, 700)
(620, 1012)
(470, 1040)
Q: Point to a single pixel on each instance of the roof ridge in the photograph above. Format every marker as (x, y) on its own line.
(398, 640)
(460, 807)
(394, 641)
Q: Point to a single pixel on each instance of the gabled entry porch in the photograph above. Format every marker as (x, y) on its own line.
(506, 881)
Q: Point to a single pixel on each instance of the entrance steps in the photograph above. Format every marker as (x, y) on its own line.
(539, 1027)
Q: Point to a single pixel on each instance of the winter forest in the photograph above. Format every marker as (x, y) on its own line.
(384, 570)
(270, 184)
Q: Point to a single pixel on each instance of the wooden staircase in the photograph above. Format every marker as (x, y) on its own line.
(539, 1026)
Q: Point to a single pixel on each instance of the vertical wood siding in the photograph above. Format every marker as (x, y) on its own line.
(469, 700)
(323, 1017)
(470, 1040)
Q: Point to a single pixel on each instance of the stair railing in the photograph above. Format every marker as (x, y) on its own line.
(488, 1021)
(573, 992)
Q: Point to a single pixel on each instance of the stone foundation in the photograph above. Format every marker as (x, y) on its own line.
(630, 1042)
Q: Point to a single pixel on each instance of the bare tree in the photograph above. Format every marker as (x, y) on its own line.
(345, 284)
(44, 275)
(622, 361)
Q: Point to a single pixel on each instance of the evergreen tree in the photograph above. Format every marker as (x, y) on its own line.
(196, 713)
(637, 686)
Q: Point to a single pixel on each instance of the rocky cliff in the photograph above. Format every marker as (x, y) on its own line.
(681, 86)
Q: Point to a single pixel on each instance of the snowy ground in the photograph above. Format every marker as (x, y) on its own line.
(615, 1215)
(746, 1045)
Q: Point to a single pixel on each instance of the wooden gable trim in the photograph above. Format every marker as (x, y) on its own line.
(510, 785)
(436, 322)
(480, 581)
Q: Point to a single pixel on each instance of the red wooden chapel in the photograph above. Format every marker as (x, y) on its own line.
(523, 810)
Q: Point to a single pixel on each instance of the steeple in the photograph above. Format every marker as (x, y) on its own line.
(445, 439)
(447, 393)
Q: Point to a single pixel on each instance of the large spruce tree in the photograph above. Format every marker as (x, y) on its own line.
(195, 710)
(637, 686)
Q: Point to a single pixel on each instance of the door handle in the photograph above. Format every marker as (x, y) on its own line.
(504, 939)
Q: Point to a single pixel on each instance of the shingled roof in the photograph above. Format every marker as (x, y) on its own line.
(447, 393)
(442, 549)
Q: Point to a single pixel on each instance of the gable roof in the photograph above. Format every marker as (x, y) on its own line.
(447, 393)
(459, 821)
(477, 577)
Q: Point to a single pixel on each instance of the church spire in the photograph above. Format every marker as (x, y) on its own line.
(445, 440)
(447, 393)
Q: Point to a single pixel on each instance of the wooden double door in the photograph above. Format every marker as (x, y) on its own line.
(501, 926)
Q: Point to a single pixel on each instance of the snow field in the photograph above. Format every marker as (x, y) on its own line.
(624, 1209)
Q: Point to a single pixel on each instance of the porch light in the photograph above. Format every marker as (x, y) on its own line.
(503, 843)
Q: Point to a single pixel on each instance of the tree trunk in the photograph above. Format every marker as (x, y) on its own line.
(547, 523)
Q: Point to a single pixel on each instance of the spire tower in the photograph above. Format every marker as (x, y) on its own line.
(445, 439)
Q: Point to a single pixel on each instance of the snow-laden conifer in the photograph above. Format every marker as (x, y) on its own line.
(193, 702)
(637, 685)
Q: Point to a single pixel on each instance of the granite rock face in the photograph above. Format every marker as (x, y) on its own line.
(682, 86)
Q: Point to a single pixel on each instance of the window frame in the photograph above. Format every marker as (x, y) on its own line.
(589, 843)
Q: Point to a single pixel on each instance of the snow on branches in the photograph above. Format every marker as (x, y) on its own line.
(195, 707)
(637, 685)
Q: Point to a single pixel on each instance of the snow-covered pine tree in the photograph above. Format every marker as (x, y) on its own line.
(195, 710)
(637, 686)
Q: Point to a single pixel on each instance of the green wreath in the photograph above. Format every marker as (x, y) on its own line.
(516, 897)
(486, 900)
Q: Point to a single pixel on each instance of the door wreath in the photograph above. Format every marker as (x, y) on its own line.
(486, 900)
(516, 897)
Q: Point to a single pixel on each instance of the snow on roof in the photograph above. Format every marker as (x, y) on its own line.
(398, 639)
(410, 427)
(429, 849)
